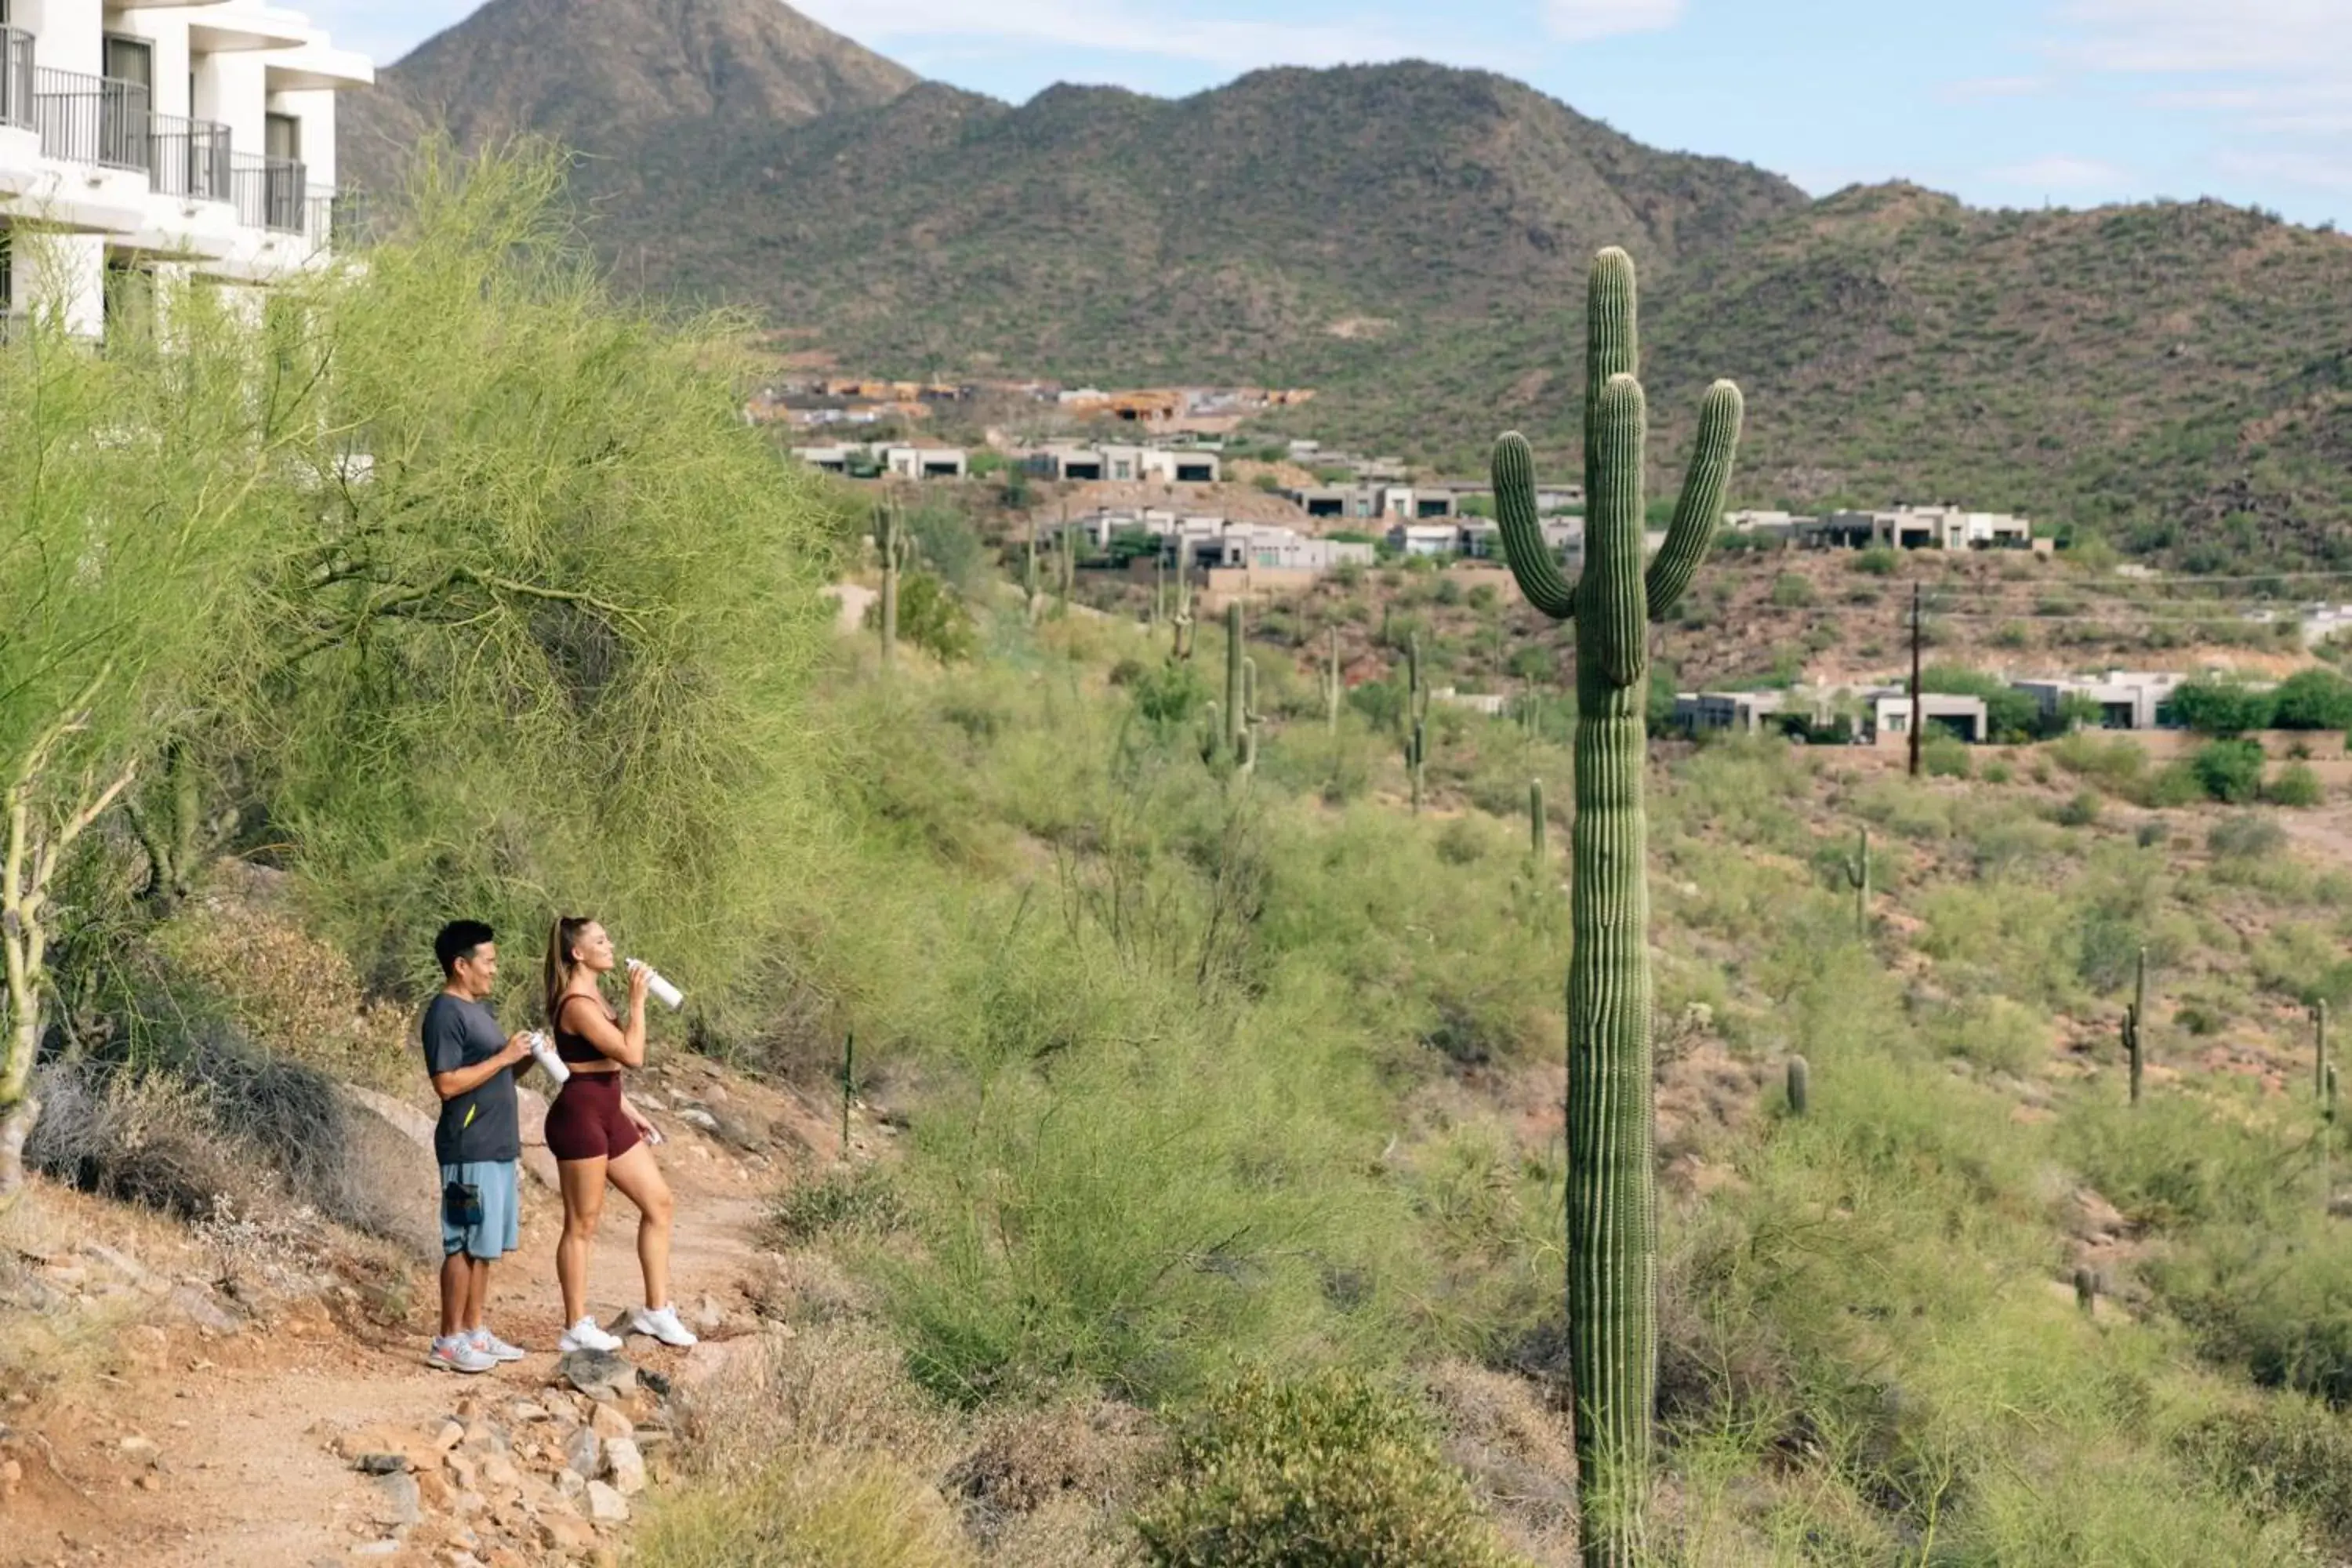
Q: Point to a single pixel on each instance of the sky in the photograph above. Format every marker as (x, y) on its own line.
(2020, 103)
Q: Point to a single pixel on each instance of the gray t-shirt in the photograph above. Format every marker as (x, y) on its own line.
(481, 1123)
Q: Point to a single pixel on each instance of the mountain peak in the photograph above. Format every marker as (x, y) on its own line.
(596, 74)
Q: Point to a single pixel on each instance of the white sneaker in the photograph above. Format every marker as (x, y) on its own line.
(497, 1349)
(458, 1354)
(584, 1335)
(662, 1325)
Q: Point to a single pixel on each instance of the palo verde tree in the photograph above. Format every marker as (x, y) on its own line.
(136, 501)
(1611, 1187)
(541, 638)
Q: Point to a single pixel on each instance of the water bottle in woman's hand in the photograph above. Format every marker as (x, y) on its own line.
(670, 995)
(542, 1050)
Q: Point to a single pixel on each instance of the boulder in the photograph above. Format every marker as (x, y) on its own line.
(607, 1506)
(530, 1114)
(608, 1422)
(584, 1453)
(598, 1375)
(625, 1467)
(391, 1163)
(396, 1502)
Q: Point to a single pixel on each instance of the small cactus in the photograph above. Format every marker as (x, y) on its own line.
(1535, 818)
(1800, 1086)
(1857, 875)
(2327, 1094)
(1416, 754)
(2086, 1290)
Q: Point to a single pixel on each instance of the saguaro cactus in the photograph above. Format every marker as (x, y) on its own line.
(1857, 875)
(1416, 753)
(1180, 648)
(2319, 1047)
(891, 538)
(2135, 1023)
(1800, 1086)
(1332, 690)
(1611, 1187)
(1535, 818)
(1236, 693)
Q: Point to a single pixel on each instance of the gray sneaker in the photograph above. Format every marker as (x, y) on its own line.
(458, 1354)
(497, 1349)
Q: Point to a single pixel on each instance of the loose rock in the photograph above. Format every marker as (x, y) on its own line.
(397, 1503)
(598, 1375)
(625, 1467)
(607, 1506)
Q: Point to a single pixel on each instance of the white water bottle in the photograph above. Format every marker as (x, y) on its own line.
(669, 995)
(542, 1050)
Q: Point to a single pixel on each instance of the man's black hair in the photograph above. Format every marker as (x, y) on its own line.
(458, 940)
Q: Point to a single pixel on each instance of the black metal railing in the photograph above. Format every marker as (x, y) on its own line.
(99, 119)
(191, 159)
(271, 193)
(17, 78)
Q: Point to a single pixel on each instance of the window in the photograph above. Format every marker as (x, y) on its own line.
(281, 137)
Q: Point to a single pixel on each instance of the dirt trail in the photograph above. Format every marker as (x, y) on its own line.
(241, 1423)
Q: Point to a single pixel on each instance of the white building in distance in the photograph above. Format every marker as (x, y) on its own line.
(185, 140)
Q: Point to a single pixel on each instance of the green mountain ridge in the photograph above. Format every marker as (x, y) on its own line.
(1411, 240)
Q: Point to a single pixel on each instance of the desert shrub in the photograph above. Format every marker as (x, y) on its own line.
(1462, 842)
(2246, 837)
(2175, 785)
(860, 1203)
(2113, 764)
(2229, 771)
(1168, 694)
(134, 1137)
(2283, 1454)
(1324, 1472)
(810, 1508)
(1791, 591)
(2295, 785)
(1877, 561)
(2082, 811)
(1945, 755)
(931, 617)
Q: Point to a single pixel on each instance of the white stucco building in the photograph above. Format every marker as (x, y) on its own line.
(181, 139)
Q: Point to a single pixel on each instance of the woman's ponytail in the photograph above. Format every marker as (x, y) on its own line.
(555, 977)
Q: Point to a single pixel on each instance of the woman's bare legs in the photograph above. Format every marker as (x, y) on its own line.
(639, 1177)
(583, 1182)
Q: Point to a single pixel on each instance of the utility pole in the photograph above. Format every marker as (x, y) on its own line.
(1918, 704)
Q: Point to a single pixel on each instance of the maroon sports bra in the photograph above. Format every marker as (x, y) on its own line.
(573, 1047)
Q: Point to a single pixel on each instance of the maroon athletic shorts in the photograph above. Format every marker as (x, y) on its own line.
(586, 1123)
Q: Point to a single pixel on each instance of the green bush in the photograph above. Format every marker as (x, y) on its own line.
(1791, 591)
(2313, 699)
(2079, 812)
(2296, 785)
(2229, 771)
(1877, 561)
(1325, 1472)
(2282, 1454)
(2223, 707)
(1945, 756)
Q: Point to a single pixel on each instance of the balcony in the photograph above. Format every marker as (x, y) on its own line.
(271, 193)
(191, 160)
(17, 78)
(92, 119)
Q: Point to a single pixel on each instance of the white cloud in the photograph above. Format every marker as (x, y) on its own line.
(1577, 20)
(2059, 172)
(1119, 28)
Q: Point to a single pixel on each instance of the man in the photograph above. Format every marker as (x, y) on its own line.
(479, 1144)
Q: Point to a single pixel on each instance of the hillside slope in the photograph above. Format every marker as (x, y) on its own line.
(1411, 240)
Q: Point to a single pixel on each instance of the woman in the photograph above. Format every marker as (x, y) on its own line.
(597, 1136)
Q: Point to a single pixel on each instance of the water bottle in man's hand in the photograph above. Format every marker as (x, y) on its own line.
(542, 1050)
(670, 995)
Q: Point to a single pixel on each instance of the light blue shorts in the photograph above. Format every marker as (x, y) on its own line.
(500, 1229)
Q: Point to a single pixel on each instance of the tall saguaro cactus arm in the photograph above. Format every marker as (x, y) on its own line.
(1521, 524)
(1699, 513)
(1612, 1182)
